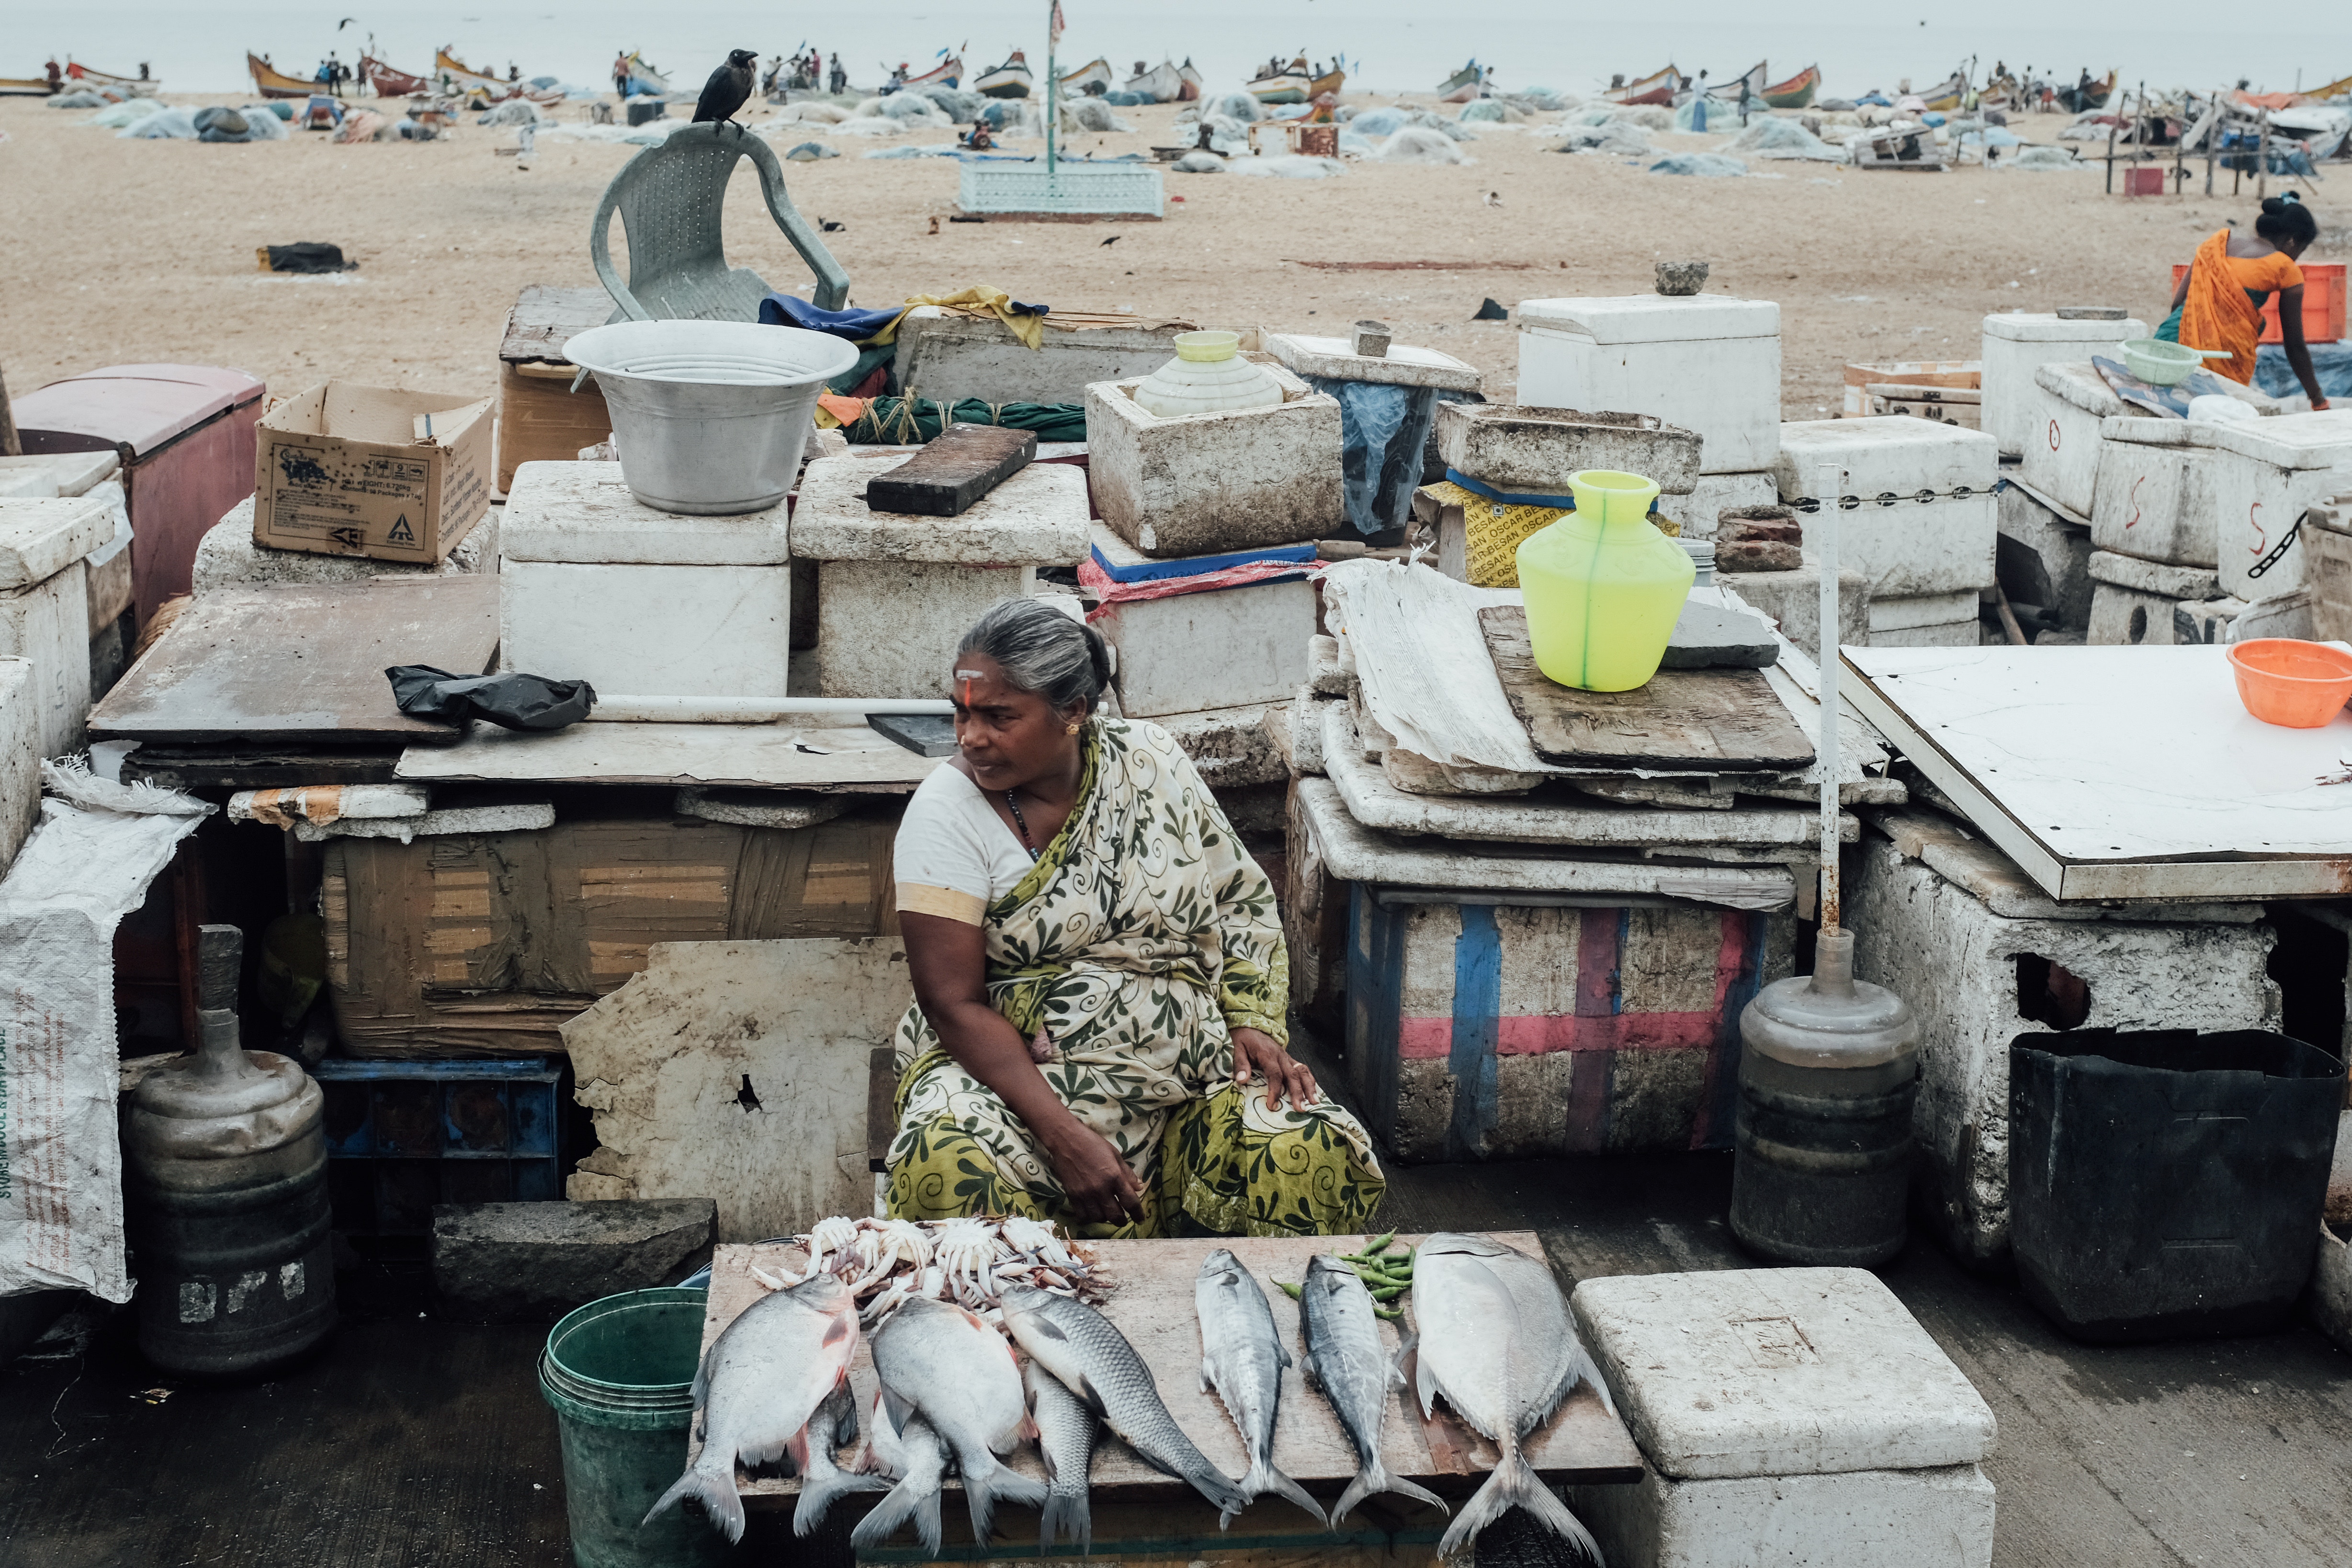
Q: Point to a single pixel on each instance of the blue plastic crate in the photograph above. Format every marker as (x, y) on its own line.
(405, 1135)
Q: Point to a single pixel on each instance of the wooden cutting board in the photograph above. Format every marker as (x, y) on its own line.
(1711, 721)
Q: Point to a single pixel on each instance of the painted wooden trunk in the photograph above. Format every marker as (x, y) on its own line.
(1499, 1031)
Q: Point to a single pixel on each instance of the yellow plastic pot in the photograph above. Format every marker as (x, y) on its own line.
(1604, 586)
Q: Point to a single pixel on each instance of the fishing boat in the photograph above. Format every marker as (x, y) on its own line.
(386, 82)
(1093, 79)
(1280, 83)
(947, 73)
(1463, 85)
(25, 86)
(1330, 82)
(142, 85)
(1797, 92)
(271, 82)
(1750, 83)
(452, 75)
(1659, 87)
(1010, 79)
(1193, 87)
(644, 79)
(1948, 94)
(2333, 89)
(2096, 95)
(1161, 84)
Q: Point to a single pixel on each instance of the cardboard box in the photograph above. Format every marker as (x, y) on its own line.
(486, 944)
(345, 469)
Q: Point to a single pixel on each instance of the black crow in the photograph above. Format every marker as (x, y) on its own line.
(729, 88)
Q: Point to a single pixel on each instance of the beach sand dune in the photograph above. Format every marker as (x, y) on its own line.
(121, 251)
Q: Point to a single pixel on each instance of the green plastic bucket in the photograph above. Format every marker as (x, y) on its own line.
(619, 1374)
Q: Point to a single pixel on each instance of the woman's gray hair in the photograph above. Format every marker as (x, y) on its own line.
(1042, 651)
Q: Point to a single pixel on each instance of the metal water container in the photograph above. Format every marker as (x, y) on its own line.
(1828, 1070)
(226, 1175)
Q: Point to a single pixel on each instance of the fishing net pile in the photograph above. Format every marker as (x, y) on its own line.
(1714, 165)
(1420, 144)
(1771, 138)
(1284, 167)
(1612, 137)
(886, 1263)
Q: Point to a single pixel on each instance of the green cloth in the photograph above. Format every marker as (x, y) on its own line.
(1142, 936)
(890, 421)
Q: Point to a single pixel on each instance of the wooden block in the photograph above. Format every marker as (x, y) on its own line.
(924, 734)
(954, 469)
(1712, 720)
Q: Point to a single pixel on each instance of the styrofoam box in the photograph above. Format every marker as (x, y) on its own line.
(648, 630)
(2070, 403)
(48, 622)
(2156, 492)
(2016, 345)
(20, 756)
(584, 512)
(1224, 648)
(889, 628)
(1706, 362)
(1232, 479)
(1699, 513)
(1860, 1518)
(2269, 471)
(1906, 547)
(1908, 612)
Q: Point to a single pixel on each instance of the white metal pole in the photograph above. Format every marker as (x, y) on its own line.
(647, 709)
(1827, 482)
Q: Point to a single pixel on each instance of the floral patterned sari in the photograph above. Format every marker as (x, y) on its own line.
(1143, 935)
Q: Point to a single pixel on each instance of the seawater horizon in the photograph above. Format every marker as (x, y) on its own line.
(1391, 45)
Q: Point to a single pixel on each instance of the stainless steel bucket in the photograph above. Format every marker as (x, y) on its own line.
(711, 416)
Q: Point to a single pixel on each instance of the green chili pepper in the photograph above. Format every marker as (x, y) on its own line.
(1382, 1244)
(1288, 1288)
(1388, 1292)
(1392, 1313)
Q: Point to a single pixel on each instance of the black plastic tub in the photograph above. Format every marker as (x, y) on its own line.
(2165, 1183)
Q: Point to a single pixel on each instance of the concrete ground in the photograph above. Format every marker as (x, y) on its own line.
(412, 1442)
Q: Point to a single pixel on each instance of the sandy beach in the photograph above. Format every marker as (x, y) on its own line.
(143, 250)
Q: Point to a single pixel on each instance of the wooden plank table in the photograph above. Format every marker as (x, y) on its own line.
(1142, 1516)
(289, 663)
(1722, 720)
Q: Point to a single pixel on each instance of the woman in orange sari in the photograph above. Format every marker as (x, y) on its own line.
(2219, 304)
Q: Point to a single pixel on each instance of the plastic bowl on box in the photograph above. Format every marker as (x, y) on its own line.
(2294, 684)
(2160, 363)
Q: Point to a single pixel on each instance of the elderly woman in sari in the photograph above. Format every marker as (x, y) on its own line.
(1097, 1034)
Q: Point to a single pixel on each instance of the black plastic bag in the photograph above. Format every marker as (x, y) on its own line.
(510, 701)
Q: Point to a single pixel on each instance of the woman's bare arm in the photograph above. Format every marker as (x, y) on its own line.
(948, 959)
(2298, 353)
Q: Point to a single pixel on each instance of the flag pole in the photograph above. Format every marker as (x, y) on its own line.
(1053, 81)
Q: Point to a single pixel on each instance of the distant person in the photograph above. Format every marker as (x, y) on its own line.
(57, 78)
(621, 75)
(2219, 304)
(145, 75)
(728, 90)
(775, 73)
(840, 77)
(514, 71)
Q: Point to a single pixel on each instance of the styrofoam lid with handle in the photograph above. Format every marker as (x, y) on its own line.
(1653, 317)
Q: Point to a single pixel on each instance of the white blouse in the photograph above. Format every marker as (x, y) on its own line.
(955, 856)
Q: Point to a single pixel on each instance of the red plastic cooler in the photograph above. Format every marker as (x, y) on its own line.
(185, 434)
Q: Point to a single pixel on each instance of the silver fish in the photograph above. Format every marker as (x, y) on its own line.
(822, 1481)
(946, 1365)
(1066, 1435)
(903, 1447)
(1346, 1360)
(1494, 1352)
(1241, 1358)
(1094, 1360)
(759, 1384)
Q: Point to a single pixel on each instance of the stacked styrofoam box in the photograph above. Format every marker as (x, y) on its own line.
(596, 585)
(1956, 961)
(2071, 402)
(1187, 651)
(1706, 362)
(2156, 499)
(2269, 471)
(1927, 559)
(2017, 345)
(20, 756)
(2133, 601)
(1788, 1416)
(44, 606)
(1200, 483)
(896, 592)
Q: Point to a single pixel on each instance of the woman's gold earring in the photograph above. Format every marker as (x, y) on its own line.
(1072, 730)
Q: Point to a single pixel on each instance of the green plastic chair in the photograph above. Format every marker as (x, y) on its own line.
(670, 197)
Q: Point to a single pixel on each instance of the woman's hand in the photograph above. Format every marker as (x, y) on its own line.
(1255, 1055)
(1103, 1190)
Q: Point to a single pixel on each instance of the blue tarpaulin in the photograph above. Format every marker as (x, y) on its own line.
(2331, 363)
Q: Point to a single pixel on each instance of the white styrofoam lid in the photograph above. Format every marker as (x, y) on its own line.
(1778, 1371)
(1654, 317)
(40, 537)
(1402, 365)
(2322, 440)
(2043, 327)
(586, 514)
(2138, 429)
(2082, 385)
(1890, 453)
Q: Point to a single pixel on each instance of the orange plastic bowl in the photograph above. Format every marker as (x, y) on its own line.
(2298, 684)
